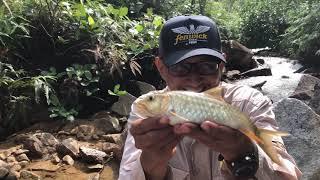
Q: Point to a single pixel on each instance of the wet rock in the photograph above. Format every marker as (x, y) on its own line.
(27, 175)
(113, 148)
(303, 144)
(92, 155)
(68, 147)
(22, 157)
(233, 74)
(3, 172)
(123, 106)
(68, 160)
(259, 71)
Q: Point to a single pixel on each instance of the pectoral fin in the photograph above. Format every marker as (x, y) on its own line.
(176, 119)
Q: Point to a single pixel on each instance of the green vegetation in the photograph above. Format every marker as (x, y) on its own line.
(62, 56)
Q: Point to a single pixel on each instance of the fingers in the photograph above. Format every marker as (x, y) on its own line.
(142, 126)
(154, 139)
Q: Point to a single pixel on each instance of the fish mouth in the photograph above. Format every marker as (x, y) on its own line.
(141, 109)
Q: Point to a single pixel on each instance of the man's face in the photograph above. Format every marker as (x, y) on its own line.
(198, 73)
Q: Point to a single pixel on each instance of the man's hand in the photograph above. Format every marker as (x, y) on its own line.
(231, 143)
(155, 137)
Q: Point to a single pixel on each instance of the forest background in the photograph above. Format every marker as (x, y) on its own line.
(71, 58)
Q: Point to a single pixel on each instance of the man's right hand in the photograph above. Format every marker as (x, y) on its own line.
(155, 137)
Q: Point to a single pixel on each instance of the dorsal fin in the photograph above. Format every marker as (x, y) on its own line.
(215, 93)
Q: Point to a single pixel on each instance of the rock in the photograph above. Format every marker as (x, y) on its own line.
(3, 172)
(22, 157)
(114, 138)
(68, 147)
(233, 74)
(16, 167)
(43, 166)
(13, 175)
(55, 159)
(68, 159)
(95, 176)
(3, 164)
(303, 144)
(23, 164)
(259, 71)
(11, 159)
(238, 56)
(40, 145)
(123, 105)
(20, 151)
(107, 125)
(27, 175)
(145, 87)
(114, 148)
(92, 155)
(96, 167)
(2, 156)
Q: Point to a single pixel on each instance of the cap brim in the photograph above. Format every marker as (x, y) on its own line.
(179, 56)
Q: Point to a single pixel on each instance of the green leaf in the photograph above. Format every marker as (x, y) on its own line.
(123, 11)
(88, 74)
(91, 21)
(121, 93)
(139, 27)
(116, 88)
(111, 93)
(157, 21)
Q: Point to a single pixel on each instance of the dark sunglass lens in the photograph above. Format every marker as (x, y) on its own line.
(179, 69)
(207, 68)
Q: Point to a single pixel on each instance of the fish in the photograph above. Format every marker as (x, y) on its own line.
(194, 107)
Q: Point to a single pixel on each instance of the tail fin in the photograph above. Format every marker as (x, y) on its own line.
(267, 145)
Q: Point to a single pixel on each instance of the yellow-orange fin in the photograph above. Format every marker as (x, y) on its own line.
(215, 93)
(266, 136)
(252, 136)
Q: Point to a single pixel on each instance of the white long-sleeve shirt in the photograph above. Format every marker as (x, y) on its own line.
(195, 161)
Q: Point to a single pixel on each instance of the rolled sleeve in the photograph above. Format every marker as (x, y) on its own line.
(130, 166)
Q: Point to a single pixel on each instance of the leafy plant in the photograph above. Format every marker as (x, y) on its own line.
(116, 91)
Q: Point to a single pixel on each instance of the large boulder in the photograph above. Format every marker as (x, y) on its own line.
(238, 56)
(303, 144)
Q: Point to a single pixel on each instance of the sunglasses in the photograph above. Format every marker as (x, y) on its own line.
(202, 68)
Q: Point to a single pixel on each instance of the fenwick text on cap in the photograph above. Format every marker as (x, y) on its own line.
(185, 36)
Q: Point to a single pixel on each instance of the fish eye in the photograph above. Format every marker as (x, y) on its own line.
(150, 98)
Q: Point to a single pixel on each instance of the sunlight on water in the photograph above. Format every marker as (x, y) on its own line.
(281, 66)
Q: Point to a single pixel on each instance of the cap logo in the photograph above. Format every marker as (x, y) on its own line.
(191, 35)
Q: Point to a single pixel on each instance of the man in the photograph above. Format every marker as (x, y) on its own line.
(190, 58)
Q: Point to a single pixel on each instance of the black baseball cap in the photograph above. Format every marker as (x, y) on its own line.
(183, 37)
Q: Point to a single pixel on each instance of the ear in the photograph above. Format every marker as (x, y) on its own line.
(163, 70)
